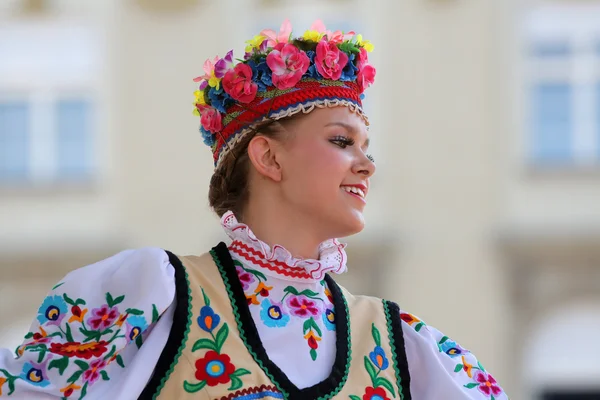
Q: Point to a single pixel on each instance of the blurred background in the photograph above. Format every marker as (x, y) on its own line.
(484, 214)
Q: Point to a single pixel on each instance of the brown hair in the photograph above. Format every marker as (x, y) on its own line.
(228, 189)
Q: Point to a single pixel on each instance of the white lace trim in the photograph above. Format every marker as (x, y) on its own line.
(332, 256)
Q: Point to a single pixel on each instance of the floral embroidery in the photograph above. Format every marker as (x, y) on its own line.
(375, 363)
(450, 347)
(215, 367)
(301, 306)
(482, 380)
(411, 319)
(329, 319)
(272, 314)
(60, 316)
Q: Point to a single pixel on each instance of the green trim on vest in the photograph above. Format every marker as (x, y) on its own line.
(388, 319)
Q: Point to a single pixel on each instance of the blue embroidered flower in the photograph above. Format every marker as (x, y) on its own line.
(379, 359)
(272, 314)
(136, 324)
(35, 374)
(350, 70)
(329, 319)
(451, 348)
(208, 320)
(52, 310)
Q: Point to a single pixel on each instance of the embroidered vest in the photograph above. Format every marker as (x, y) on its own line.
(214, 350)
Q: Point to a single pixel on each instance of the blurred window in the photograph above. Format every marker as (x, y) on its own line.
(552, 122)
(73, 139)
(14, 141)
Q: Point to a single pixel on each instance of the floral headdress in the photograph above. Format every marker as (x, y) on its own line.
(280, 76)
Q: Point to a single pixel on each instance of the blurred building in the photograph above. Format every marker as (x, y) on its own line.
(484, 217)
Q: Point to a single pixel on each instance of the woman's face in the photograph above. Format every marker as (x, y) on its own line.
(326, 170)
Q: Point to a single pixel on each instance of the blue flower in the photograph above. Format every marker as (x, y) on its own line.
(52, 310)
(136, 324)
(312, 70)
(272, 314)
(379, 359)
(350, 70)
(207, 137)
(34, 374)
(451, 348)
(219, 99)
(208, 320)
(329, 319)
(262, 74)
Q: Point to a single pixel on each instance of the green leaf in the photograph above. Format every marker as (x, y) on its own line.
(376, 335)
(306, 326)
(79, 302)
(471, 385)
(313, 354)
(69, 334)
(119, 299)
(42, 354)
(354, 397)
(61, 364)
(258, 274)
(240, 372)
(291, 289)
(193, 387)
(11, 386)
(29, 335)
(370, 369)
(221, 337)
(381, 381)
(236, 383)
(120, 361)
(238, 263)
(75, 376)
(316, 327)
(206, 299)
(104, 375)
(58, 285)
(154, 313)
(204, 344)
(139, 341)
(419, 326)
(82, 364)
(112, 351)
(109, 299)
(444, 339)
(458, 367)
(83, 391)
(134, 311)
(68, 299)
(480, 366)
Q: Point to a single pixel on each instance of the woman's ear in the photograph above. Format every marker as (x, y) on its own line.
(262, 152)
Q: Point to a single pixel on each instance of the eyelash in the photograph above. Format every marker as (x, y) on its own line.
(343, 142)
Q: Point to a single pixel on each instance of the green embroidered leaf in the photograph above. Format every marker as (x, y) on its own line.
(42, 354)
(104, 375)
(291, 289)
(221, 337)
(458, 367)
(306, 326)
(381, 381)
(110, 354)
(154, 313)
(29, 335)
(79, 302)
(109, 299)
(316, 327)
(204, 344)
(119, 300)
(68, 299)
(120, 361)
(134, 311)
(61, 364)
(480, 366)
(354, 397)
(240, 372)
(139, 341)
(376, 335)
(55, 334)
(258, 274)
(471, 385)
(313, 354)
(193, 387)
(75, 376)
(238, 263)
(419, 326)
(370, 369)
(83, 391)
(236, 383)
(444, 339)
(82, 364)
(206, 299)
(309, 293)
(68, 334)
(58, 285)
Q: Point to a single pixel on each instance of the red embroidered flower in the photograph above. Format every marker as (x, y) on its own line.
(103, 317)
(375, 394)
(239, 85)
(302, 306)
(78, 314)
(246, 278)
(487, 384)
(92, 374)
(409, 318)
(79, 350)
(214, 368)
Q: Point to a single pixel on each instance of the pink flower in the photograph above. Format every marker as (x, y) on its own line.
(302, 306)
(92, 374)
(224, 64)
(333, 37)
(210, 118)
(238, 83)
(209, 67)
(329, 60)
(103, 317)
(282, 37)
(246, 278)
(366, 72)
(288, 65)
(487, 384)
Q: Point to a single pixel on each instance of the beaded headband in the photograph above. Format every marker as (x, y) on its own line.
(280, 76)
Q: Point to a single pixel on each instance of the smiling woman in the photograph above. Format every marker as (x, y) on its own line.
(262, 317)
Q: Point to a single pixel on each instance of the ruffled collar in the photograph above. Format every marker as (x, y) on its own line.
(278, 261)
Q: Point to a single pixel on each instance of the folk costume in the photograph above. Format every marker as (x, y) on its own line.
(245, 320)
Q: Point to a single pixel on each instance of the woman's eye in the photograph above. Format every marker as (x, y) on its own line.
(342, 141)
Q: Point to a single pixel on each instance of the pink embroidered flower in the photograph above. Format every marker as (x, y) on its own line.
(329, 60)
(92, 374)
(210, 118)
(288, 64)
(302, 306)
(487, 384)
(366, 72)
(274, 38)
(238, 83)
(245, 277)
(103, 317)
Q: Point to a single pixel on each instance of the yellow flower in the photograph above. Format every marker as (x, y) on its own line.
(196, 112)
(214, 81)
(254, 43)
(263, 289)
(467, 367)
(311, 334)
(252, 300)
(313, 36)
(364, 43)
(199, 95)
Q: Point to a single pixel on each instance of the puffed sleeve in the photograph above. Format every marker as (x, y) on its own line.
(98, 334)
(442, 369)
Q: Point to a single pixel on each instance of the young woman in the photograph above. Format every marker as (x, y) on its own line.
(260, 318)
